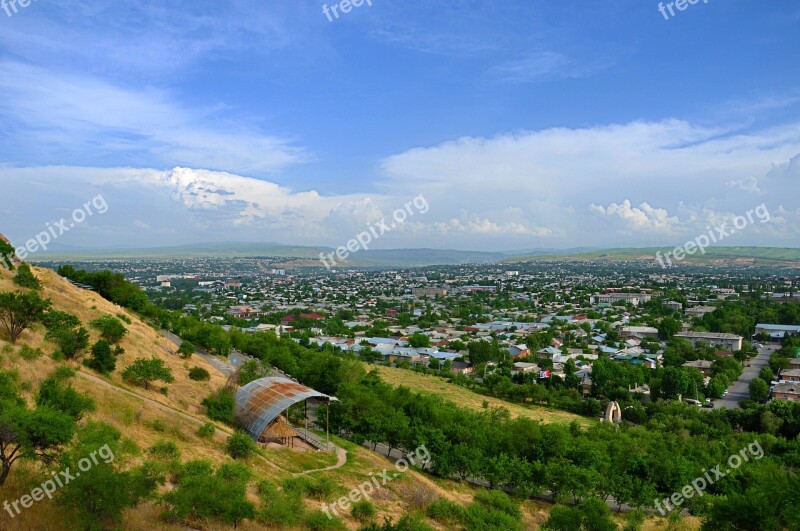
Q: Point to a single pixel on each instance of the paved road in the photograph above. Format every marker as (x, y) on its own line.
(221, 365)
(739, 390)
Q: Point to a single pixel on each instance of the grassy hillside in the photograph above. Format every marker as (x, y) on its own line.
(713, 256)
(430, 384)
(147, 417)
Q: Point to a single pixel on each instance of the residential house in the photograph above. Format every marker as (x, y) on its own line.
(787, 391)
(729, 341)
(703, 366)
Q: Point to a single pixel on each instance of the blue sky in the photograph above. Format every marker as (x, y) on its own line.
(523, 123)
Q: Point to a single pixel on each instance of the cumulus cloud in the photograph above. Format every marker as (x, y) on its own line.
(643, 217)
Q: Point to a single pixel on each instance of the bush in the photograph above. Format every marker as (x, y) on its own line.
(71, 341)
(165, 450)
(199, 374)
(202, 494)
(445, 512)
(363, 510)
(280, 509)
(58, 320)
(55, 394)
(319, 521)
(408, 522)
(318, 488)
(497, 499)
(26, 278)
(207, 430)
(221, 405)
(479, 517)
(240, 445)
(102, 360)
(29, 354)
(111, 328)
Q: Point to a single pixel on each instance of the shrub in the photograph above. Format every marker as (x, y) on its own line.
(363, 510)
(280, 509)
(124, 318)
(497, 499)
(478, 516)
(26, 278)
(58, 320)
(55, 394)
(71, 341)
(411, 522)
(221, 405)
(111, 329)
(199, 374)
(445, 512)
(29, 354)
(102, 360)
(202, 494)
(207, 430)
(240, 445)
(318, 488)
(165, 450)
(319, 521)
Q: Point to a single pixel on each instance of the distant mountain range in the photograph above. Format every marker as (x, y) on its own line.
(426, 257)
(722, 256)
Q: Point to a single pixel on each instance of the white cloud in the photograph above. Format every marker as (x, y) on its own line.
(643, 217)
(82, 116)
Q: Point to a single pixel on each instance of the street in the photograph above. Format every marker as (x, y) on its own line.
(739, 390)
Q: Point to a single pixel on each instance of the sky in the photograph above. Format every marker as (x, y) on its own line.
(520, 124)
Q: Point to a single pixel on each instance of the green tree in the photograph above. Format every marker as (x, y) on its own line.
(102, 360)
(18, 311)
(759, 390)
(250, 371)
(37, 434)
(419, 340)
(668, 327)
(99, 496)
(143, 372)
(186, 349)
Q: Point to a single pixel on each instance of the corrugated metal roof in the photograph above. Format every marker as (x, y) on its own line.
(261, 401)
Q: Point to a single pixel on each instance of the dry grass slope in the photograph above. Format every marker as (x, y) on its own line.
(430, 384)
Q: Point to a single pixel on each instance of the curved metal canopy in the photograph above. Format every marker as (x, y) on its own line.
(261, 401)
